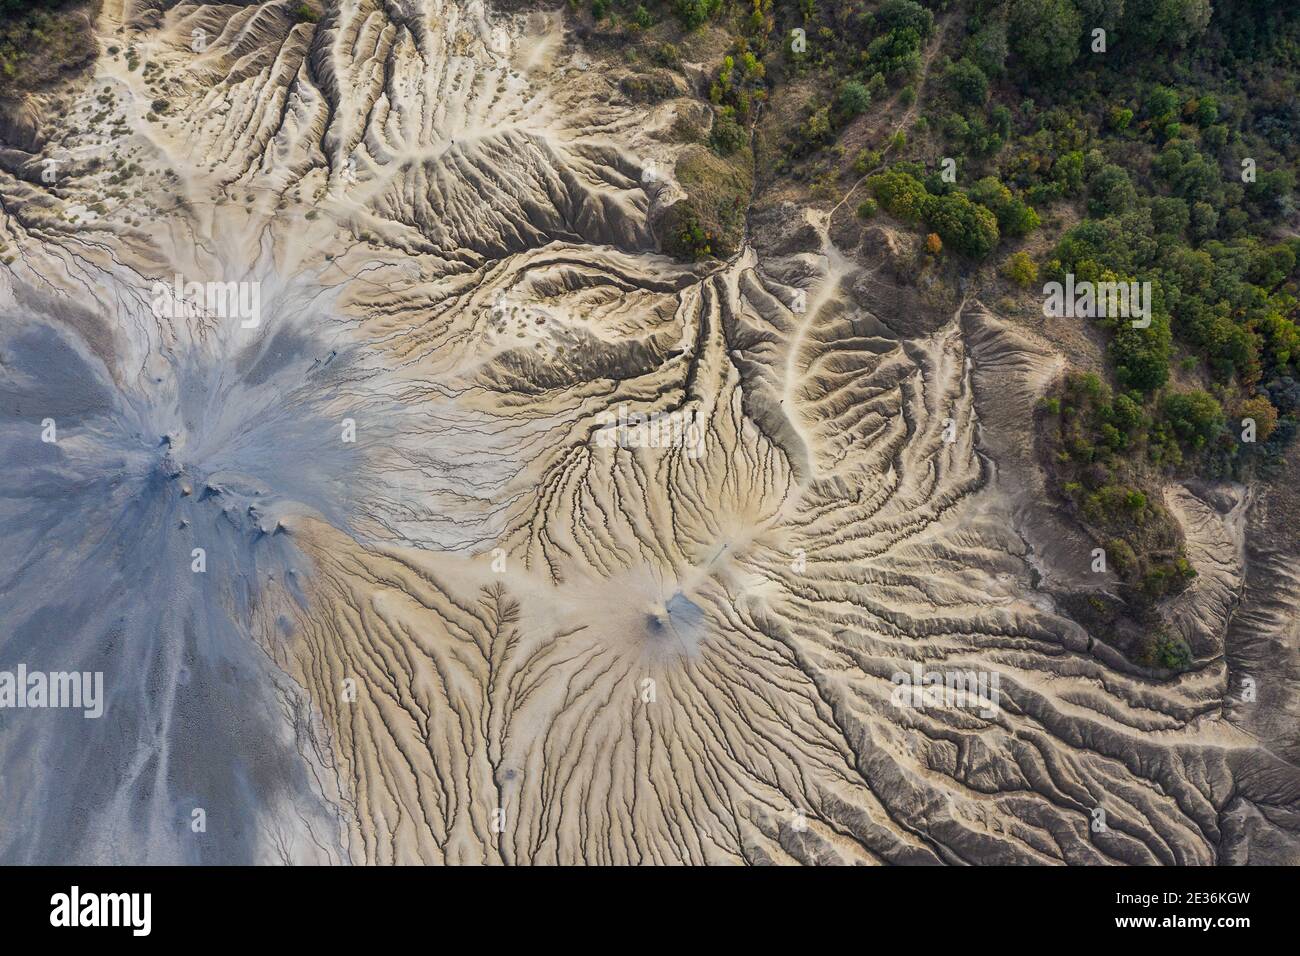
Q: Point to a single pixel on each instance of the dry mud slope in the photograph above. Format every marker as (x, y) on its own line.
(455, 605)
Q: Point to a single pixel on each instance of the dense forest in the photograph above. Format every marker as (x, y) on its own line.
(1147, 141)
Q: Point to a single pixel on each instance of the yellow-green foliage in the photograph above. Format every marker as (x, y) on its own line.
(39, 39)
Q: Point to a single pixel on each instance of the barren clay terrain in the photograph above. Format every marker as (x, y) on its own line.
(419, 499)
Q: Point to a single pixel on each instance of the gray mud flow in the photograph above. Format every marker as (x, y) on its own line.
(110, 483)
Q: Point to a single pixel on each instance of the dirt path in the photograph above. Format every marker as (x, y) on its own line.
(936, 44)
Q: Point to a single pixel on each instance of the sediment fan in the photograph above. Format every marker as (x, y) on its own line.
(440, 618)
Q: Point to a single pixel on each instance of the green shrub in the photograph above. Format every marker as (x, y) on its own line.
(965, 226)
(1015, 218)
(968, 82)
(1195, 417)
(693, 13)
(1171, 653)
(728, 135)
(853, 100)
(1044, 36)
(1020, 269)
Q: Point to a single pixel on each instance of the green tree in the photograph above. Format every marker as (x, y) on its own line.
(987, 48)
(1020, 269)
(1141, 356)
(1111, 191)
(1196, 417)
(903, 196)
(817, 129)
(1261, 411)
(1045, 35)
(968, 81)
(693, 13)
(1166, 21)
(728, 135)
(896, 16)
(1015, 217)
(853, 100)
(963, 225)
(1171, 653)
